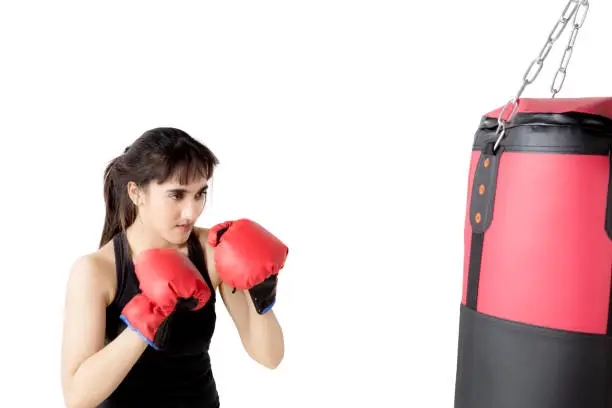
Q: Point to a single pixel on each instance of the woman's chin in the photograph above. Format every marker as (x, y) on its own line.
(178, 235)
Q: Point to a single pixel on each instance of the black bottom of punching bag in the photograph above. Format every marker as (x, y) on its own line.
(505, 364)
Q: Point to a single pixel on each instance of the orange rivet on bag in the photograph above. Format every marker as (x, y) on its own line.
(481, 189)
(486, 162)
(477, 218)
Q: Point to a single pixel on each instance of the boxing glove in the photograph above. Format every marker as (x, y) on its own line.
(248, 257)
(168, 282)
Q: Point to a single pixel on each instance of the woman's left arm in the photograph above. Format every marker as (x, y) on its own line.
(261, 335)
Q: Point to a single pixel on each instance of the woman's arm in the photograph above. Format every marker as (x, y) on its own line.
(91, 371)
(261, 335)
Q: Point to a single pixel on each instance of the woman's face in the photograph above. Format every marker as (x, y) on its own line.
(171, 209)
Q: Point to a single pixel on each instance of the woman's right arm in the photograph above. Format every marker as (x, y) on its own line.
(90, 370)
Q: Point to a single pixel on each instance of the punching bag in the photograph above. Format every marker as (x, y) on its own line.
(535, 327)
(535, 319)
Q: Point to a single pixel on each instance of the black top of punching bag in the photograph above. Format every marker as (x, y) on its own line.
(181, 375)
(570, 131)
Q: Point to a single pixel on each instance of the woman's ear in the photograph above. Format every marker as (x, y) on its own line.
(134, 193)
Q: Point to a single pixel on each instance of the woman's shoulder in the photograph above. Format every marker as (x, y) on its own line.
(209, 252)
(95, 272)
(202, 234)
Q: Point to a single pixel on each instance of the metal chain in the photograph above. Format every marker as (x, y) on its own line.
(579, 18)
(572, 9)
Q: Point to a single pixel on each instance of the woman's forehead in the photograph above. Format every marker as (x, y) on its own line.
(196, 183)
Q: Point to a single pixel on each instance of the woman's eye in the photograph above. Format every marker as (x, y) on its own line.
(200, 196)
(176, 196)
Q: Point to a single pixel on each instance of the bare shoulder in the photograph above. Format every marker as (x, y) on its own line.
(209, 252)
(94, 273)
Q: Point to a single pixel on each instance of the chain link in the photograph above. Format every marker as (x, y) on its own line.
(574, 8)
(579, 18)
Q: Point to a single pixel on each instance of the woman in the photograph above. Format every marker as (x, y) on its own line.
(154, 194)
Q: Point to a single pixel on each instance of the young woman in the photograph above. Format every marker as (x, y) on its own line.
(140, 311)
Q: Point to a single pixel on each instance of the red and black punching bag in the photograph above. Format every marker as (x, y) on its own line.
(536, 312)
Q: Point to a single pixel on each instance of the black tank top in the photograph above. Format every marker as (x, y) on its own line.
(181, 375)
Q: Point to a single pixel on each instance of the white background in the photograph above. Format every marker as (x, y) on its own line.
(345, 127)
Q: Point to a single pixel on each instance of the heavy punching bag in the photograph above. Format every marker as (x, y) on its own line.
(535, 325)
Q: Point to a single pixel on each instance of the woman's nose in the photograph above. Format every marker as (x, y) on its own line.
(188, 211)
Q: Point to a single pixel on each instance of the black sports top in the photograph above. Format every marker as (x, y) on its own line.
(181, 375)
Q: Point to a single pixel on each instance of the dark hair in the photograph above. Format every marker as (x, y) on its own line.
(157, 155)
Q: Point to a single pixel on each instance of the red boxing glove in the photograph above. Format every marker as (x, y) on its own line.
(169, 282)
(248, 257)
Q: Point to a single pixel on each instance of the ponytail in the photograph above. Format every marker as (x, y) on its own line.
(112, 222)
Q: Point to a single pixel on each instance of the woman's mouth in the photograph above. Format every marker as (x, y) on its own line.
(184, 227)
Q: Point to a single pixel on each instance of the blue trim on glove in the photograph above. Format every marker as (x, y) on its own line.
(267, 309)
(128, 324)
